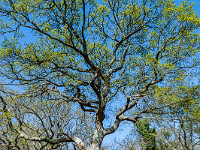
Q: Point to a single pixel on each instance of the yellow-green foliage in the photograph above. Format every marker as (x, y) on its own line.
(167, 29)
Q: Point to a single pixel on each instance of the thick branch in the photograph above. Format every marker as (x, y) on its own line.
(113, 128)
(74, 99)
(128, 106)
(78, 141)
(83, 28)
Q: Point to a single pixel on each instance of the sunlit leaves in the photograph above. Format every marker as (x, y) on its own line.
(166, 37)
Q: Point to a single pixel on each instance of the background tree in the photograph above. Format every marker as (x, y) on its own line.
(180, 130)
(181, 133)
(99, 56)
(177, 127)
(39, 117)
(148, 134)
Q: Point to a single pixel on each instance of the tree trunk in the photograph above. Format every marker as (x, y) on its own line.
(94, 147)
(97, 137)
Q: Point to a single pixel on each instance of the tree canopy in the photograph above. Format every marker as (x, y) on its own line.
(92, 62)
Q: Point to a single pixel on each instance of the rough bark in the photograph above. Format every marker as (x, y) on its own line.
(97, 137)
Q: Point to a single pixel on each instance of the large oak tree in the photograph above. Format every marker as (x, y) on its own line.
(111, 59)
